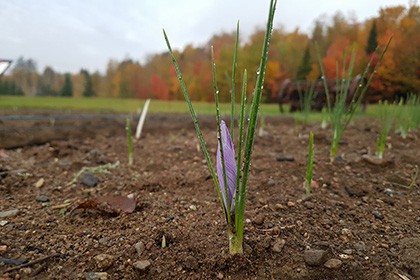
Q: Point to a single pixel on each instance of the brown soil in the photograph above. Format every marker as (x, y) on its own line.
(360, 215)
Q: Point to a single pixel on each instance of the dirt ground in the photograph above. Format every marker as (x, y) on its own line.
(361, 222)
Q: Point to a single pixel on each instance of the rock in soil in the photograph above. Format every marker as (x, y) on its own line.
(42, 198)
(139, 246)
(9, 213)
(142, 265)
(39, 183)
(89, 179)
(96, 276)
(360, 247)
(104, 261)
(315, 257)
(278, 245)
(259, 219)
(333, 264)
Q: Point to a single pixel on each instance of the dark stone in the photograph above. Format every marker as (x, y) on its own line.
(42, 198)
(315, 257)
(88, 179)
(378, 215)
(355, 191)
(285, 158)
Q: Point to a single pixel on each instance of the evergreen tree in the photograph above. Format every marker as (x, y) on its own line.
(372, 42)
(88, 90)
(67, 89)
(305, 66)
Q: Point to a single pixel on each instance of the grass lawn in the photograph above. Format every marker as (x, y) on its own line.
(122, 105)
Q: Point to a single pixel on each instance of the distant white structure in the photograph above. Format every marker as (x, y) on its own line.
(4, 64)
(142, 118)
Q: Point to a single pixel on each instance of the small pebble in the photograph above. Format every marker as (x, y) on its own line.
(3, 249)
(360, 246)
(3, 223)
(345, 256)
(333, 264)
(377, 215)
(142, 265)
(220, 275)
(39, 183)
(139, 246)
(389, 192)
(88, 179)
(193, 207)
(309, 205)
(348, 251)
(96, 276)
(9, 213)
(190, 263)
(285, 158)
(278, 245)
(26, 270)
(278, 206)
(42, 198)
(104, 261)
(346, 231)
(290, 204)
(314, 257)
(259, 219)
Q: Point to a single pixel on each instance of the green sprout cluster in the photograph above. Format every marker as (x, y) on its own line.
(341, 113)
(235, 220)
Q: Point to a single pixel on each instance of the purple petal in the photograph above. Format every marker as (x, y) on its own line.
(230, 165)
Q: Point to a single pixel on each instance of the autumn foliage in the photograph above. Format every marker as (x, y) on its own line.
(292, 56)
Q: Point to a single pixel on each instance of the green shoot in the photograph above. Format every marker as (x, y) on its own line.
(403, 122)
(261, 130)
(129, 142)
(232, 90)
(387, 115)
(309, 169)
(305, 98)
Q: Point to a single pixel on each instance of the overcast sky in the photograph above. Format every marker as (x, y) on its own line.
(71, 34)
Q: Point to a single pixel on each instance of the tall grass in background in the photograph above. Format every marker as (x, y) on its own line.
(340, 114)
(306, 97)
(408, 115)
(387, 114)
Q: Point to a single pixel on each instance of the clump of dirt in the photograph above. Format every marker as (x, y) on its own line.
(361, 222)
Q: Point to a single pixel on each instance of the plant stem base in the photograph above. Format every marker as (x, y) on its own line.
(235, 244)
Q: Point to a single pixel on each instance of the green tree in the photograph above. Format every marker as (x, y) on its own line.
(88, 90)
(25, 76)
(305, 66)
(372, 42)
(67, 89)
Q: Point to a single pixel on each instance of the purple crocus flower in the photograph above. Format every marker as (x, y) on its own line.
(230, 165)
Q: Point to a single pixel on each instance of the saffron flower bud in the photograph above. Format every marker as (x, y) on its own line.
(230, 167)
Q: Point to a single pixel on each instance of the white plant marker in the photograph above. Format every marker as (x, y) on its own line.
(142, 118)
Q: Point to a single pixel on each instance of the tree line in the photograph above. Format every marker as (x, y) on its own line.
(293, 55)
